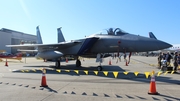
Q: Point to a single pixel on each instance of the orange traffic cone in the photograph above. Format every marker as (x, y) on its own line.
(66, 60)
(6, 64)
(43, 81)
(152, 89)
(109, 61)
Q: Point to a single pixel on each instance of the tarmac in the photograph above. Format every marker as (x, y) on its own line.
(21, 81)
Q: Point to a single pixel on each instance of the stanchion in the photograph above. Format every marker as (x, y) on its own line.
(6, 64)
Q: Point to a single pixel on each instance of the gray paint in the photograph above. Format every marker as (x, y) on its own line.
(106, 43)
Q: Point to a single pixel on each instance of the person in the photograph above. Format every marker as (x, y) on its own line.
(175, 62)
(163, 64)
(120, 57)
(168, 58)
(178, 61)
(125, 57)
(112, 55)
(160, 56)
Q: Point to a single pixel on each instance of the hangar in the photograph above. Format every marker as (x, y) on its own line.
(11, 37)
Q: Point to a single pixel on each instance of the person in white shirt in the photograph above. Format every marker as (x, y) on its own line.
(163, 64)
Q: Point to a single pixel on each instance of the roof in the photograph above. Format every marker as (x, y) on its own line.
(10, 31)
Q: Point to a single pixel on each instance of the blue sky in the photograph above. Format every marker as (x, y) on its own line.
(80, 18)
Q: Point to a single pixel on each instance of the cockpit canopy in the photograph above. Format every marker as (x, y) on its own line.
(112, 31)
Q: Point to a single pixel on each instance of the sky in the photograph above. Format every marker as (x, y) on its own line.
(80, 18)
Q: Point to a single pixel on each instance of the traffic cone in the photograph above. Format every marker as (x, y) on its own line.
(109, 61)
(152, 89)
(66, 60)
(6, 64)
(43, 81)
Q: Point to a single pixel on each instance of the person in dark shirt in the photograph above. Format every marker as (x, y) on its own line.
(178, 61)
(160, 56)
(168, 58)
(175, 61)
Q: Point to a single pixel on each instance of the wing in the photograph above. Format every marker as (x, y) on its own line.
(44, 47)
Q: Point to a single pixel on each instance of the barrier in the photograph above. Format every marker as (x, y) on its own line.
(86, 72)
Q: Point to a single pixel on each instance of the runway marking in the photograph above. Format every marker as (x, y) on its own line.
(153, 65)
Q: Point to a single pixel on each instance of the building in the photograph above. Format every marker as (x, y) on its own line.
(11, 37)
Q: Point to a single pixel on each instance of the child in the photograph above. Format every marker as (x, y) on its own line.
(163, 64)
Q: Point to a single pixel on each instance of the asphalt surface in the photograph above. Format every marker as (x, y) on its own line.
(21, 80)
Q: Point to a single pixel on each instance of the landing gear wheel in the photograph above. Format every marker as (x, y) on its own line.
(78, 63)
(57, 64)
(99, 68)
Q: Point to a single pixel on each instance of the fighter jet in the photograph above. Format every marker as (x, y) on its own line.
(107, 41)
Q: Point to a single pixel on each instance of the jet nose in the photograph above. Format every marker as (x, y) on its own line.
(150, 44)
(162, 45)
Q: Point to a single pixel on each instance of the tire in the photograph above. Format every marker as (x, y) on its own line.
(57, 64)
(99, 68)
(78, 63)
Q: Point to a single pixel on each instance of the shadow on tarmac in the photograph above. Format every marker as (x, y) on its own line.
(73, 67)
(50, 89)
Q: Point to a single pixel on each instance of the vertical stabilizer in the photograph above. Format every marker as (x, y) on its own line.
(60, 35)
(151, 35)
(39, 39)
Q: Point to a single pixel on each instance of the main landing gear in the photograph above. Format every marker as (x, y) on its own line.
(99, 59)
(58, 64)
(78, 63)
(99, 68)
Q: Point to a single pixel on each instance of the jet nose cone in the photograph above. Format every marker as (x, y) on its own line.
(163, 45)
(150, 44)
